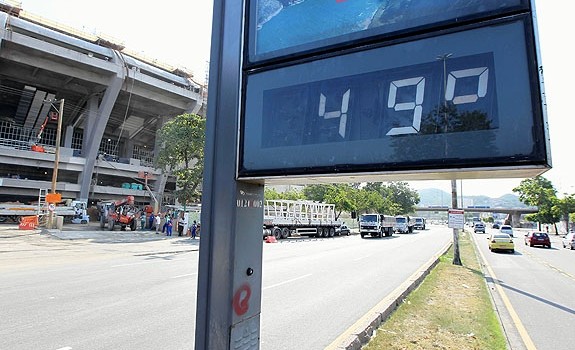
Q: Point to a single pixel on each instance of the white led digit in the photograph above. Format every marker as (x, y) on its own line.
(419, 82)
(481, 72)
(342, 114)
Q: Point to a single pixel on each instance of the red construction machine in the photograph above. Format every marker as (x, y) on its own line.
(121, 212)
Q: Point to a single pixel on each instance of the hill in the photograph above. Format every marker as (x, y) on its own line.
(434, 197)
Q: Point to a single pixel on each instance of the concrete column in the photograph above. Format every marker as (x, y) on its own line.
(90, 124)
(515, 219)
(128, 149)
(3, 21)
(160, 184)
(69, 134)
(96, 126)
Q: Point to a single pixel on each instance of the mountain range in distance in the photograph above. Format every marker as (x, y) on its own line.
(434, 197)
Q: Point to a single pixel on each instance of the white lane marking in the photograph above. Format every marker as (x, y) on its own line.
(186, 275)
(361, 258)
(143, 262)
(286, 282)
(527, 341)
(65, 348)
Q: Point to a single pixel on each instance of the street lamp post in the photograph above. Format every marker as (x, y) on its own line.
(456, 255)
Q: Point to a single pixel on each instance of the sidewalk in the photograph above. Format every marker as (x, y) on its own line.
(140, 241)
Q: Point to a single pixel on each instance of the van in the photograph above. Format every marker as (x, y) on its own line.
(479, 227)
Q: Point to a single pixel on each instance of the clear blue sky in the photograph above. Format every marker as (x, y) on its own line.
(177, 32)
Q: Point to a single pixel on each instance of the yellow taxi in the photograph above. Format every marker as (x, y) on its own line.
(501, 241)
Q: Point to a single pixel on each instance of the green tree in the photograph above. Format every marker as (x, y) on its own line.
(342, 195)
(564, 207)
(181, 153)
(539, 192)
(369, 201)
(397, 197)
(403, 197)
(271, 193)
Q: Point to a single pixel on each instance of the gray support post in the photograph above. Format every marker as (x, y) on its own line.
(3, 29)
(230, 266)
(96, 130)
(160, 184)
(128, 149)
(90, 124)
(68, 136)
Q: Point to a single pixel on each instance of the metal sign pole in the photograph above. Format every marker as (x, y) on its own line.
(230, 265)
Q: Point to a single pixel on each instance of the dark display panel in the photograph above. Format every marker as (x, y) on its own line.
(457, 100)
(283, 27)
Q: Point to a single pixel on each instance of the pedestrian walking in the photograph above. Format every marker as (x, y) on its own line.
(168, 226)
(181, 224)
(151, 221)
(157, 222)
(194, 229)
(164, 222)
(142, 220)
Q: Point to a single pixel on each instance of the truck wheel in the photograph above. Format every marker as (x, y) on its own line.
(319, 232)
(277, 232)
(285, 233)
(331, 232)
(110, 224)
(362, 235)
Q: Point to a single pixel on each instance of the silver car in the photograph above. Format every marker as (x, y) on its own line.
(506, 229)
(569, 241)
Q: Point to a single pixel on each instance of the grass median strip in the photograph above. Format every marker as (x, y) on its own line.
(451, 309)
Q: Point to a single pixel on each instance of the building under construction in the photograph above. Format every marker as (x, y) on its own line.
(106, 102)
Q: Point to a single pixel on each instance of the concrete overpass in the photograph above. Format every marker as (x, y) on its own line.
(513, 214)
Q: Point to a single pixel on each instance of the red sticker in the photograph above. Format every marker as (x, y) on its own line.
(241, 300)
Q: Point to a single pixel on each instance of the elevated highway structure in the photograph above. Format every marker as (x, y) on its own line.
(513, 214)
(114, 103)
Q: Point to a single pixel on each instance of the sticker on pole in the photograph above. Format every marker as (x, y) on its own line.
(456, 218)
(51, 207)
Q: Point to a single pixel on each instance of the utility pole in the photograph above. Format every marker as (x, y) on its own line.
(456, 255)
(57, 154)
(56, 157)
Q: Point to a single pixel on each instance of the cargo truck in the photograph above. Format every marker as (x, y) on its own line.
(284, 218)
(74, 211)
(376, 225)
(403, 224)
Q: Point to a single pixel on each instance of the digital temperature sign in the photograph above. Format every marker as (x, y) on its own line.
(468, 99)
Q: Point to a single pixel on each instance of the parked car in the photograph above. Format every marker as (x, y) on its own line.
(496, 226)
(501, 241)
(507, 229)
(479, 227)
(343, 230)
(569, 241)
(534, 238)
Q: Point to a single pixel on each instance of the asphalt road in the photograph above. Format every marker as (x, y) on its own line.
(536, 292)
(127, 294)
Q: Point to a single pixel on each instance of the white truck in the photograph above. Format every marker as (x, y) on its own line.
(403, 224)
(74, 211)
(420, 223)
(376, 225)
(283, 218)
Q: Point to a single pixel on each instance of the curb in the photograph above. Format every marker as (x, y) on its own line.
(362, 331)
